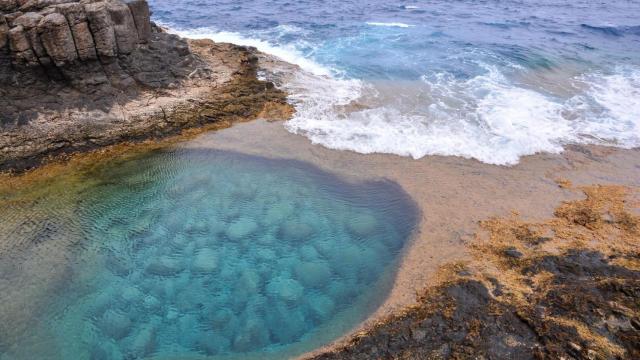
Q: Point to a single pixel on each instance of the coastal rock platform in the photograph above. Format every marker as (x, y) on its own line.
(78, 75)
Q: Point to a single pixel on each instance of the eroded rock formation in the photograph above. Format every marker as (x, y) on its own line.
(79, 74)
(54, 34)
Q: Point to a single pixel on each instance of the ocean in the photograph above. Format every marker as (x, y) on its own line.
(488, 80)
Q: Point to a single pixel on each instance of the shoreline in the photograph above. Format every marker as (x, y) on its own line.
(451, 216)
(450, 222)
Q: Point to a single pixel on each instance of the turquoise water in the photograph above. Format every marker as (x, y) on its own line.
(199, 253)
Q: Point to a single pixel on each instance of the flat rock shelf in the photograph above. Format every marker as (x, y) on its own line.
(195, 253)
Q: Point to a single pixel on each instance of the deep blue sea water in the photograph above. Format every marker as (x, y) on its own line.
(490, 80)
(193, 254)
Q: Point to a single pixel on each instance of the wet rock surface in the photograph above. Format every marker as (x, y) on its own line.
(577, 301)
(78, 75)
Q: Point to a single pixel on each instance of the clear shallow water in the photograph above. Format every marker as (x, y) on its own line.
(490, 80)
(195, 253)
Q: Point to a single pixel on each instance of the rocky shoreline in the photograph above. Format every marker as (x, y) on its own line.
(565, 288)
(80, 75)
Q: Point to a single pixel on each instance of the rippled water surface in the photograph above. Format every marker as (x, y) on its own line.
(492, 80)
(194, 253)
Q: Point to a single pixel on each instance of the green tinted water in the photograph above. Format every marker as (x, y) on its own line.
(196, 253)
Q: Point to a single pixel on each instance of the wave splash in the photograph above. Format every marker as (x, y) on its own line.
(389, 24)
(488, 117)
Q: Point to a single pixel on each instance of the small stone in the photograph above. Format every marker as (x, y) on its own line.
(418, 334)
(575, 347)
(513, 252)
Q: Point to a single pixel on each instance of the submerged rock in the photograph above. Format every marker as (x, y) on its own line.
(144, 341)
(285, 289)
(212, 343)
(362, 225)
(278, 212)
(131, 294)
(164, 266)
(115, 325)
(321, 307)
(220, 317)
(296, 230)
(286, 326)
(241, 228)
(313, 274)
(205, 261)
(253, 334)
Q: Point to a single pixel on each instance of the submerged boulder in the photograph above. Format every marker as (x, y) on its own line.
(164, 266)
(286, 289)
(115, 324)
(144, 341)
(313, 274)
(296, 230)
(321, 307)
(212, 343)
(285, 325)
(241, 228)
(205, 261)
(362, 225)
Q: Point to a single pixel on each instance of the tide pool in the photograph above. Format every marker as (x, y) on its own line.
(195, 254)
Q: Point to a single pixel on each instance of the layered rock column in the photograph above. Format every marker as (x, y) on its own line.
(62, 32)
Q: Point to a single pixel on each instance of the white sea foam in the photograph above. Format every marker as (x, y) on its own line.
(389, 24)
(618, 95)
(487, 117)
(288, 53)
